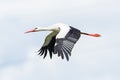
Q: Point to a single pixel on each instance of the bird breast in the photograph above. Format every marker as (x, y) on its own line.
(64, 29)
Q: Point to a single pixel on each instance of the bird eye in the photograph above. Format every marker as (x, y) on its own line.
(36, 28)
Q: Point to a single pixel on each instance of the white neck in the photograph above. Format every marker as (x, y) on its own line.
(50, 28)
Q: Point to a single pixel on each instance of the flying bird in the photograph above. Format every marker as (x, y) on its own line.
(61, 40)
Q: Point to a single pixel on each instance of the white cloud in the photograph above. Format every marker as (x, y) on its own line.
(25, 7)
(1, 55)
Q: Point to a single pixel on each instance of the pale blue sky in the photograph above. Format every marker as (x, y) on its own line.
(92, 58)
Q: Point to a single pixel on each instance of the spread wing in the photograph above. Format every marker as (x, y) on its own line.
(64, 46)
(48, 45)
(60, 46)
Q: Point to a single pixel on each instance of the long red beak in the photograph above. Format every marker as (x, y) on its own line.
(33, 30)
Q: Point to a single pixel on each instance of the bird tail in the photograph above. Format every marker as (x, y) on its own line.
(94, 35)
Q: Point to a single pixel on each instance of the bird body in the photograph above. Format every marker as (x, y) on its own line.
(63, 29)
(61, 40)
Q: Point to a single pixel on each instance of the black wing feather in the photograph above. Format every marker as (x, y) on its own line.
(45, 53)
(65, 45)
(49, 47)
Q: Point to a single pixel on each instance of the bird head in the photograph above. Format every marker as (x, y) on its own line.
(32, 30)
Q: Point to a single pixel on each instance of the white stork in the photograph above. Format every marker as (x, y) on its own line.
(61, 40)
